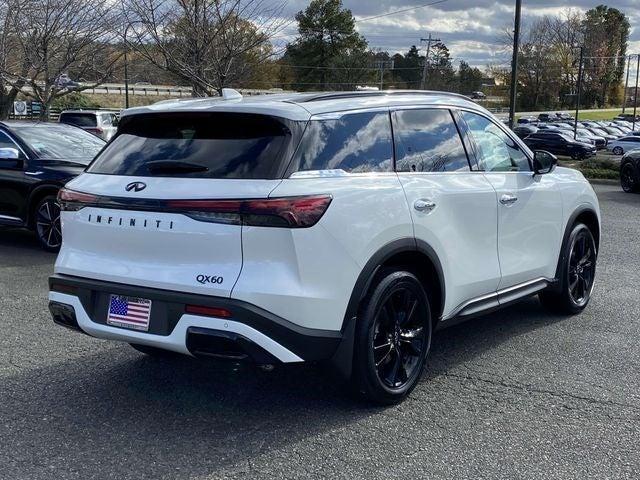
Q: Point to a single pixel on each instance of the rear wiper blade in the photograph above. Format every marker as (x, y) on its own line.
(174, 166)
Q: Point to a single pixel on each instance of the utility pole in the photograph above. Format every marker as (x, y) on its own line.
(626, 84)
(514, 65)
(423, 83)
(578, 93)
(635, 96)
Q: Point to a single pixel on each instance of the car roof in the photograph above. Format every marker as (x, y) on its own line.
(95, 112)
(301, 106)
(29, 123)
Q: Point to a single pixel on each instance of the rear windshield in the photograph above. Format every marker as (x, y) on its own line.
(60, 142)
(79, 119)
(198, 145)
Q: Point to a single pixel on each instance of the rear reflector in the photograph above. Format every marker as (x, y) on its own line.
(208, 311)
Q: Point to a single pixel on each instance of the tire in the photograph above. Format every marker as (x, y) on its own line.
(393, 337)
(629, 178)
(153, 351)
(618, 150)
(577, 274)
(575, 156)
(46, 223)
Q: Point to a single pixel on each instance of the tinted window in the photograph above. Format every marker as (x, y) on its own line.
(428, 141)
(60, 142)
(356, 143)
(6, 142)
(497, 151)
(197, 145)
(79, 119)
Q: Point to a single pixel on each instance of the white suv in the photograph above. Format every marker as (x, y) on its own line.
(341, 226)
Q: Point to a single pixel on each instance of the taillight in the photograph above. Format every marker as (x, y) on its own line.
(95, 131)
(72, 201)
(288, 212)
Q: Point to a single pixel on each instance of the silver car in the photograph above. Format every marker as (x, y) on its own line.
(101, 123)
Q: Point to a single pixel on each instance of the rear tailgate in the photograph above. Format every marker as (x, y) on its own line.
(119, 241)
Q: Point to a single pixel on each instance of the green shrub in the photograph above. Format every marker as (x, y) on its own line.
(75, 100)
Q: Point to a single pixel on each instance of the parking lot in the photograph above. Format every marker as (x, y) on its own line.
(517, 394)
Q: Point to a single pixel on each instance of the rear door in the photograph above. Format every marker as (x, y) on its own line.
(453, 208)
(529, 207)
(161, 209)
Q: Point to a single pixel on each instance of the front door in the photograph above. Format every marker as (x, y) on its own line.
(529, 206)
(13, 186)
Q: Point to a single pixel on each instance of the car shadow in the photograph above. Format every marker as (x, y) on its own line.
(165, 413)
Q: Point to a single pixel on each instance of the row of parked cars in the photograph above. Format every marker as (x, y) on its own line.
(559, 137)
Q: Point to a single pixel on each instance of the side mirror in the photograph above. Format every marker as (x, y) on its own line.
(544, 162)
(10, 158)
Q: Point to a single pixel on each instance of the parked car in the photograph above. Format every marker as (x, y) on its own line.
(601, 133)
(630, 172)
(524, 130)
(624, 144)
(36, 159)
(565, 117)
(64, 81)
(527, 120)
(103, 124)
(546, 117)
(477, 96)
(245, 229)
(613, 131)
(628, 117)
(560, 143)
(599, 141)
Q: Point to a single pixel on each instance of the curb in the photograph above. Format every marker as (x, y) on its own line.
(603, 181)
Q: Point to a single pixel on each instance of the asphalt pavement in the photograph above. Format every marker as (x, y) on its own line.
(517, 394)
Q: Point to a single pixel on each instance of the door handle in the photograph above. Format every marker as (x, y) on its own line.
(423, 205)
(508, 199)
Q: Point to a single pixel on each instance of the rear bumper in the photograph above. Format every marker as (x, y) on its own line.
(251, 332)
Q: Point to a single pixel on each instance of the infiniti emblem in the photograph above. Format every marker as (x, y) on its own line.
(136, 186)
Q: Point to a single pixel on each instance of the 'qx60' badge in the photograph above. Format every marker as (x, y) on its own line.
(135, 186)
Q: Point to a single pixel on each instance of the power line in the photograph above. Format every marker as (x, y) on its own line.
(400, 11)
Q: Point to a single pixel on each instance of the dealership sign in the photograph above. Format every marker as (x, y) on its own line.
(20, 107)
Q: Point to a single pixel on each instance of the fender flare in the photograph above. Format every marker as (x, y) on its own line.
(583, 208)
(343, 357)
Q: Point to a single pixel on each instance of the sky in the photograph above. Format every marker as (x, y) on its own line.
(472, 29)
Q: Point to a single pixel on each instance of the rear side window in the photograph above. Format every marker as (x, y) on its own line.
(198, 145)
(428, 141)
(355, 143)
(79, 119)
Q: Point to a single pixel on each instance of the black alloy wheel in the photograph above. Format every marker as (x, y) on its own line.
(577, 273)
(393, 337)
(618, 151)
(582, 267)
(47, 224)
(628, 178)
(399, 338)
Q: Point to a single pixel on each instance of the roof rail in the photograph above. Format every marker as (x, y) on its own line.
(369, 93)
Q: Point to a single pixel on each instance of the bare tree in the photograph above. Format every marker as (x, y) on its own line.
(51, 38)
(207, 44)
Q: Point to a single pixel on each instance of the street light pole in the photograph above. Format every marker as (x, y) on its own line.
(635, 96)
(126, 64)
(514, 64)
(626, 85)
(578, 93)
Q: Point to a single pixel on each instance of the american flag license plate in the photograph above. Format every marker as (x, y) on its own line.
(129, 312)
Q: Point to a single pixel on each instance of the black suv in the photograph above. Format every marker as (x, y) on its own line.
(630, 172)
(36, 159)
(560, 144)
